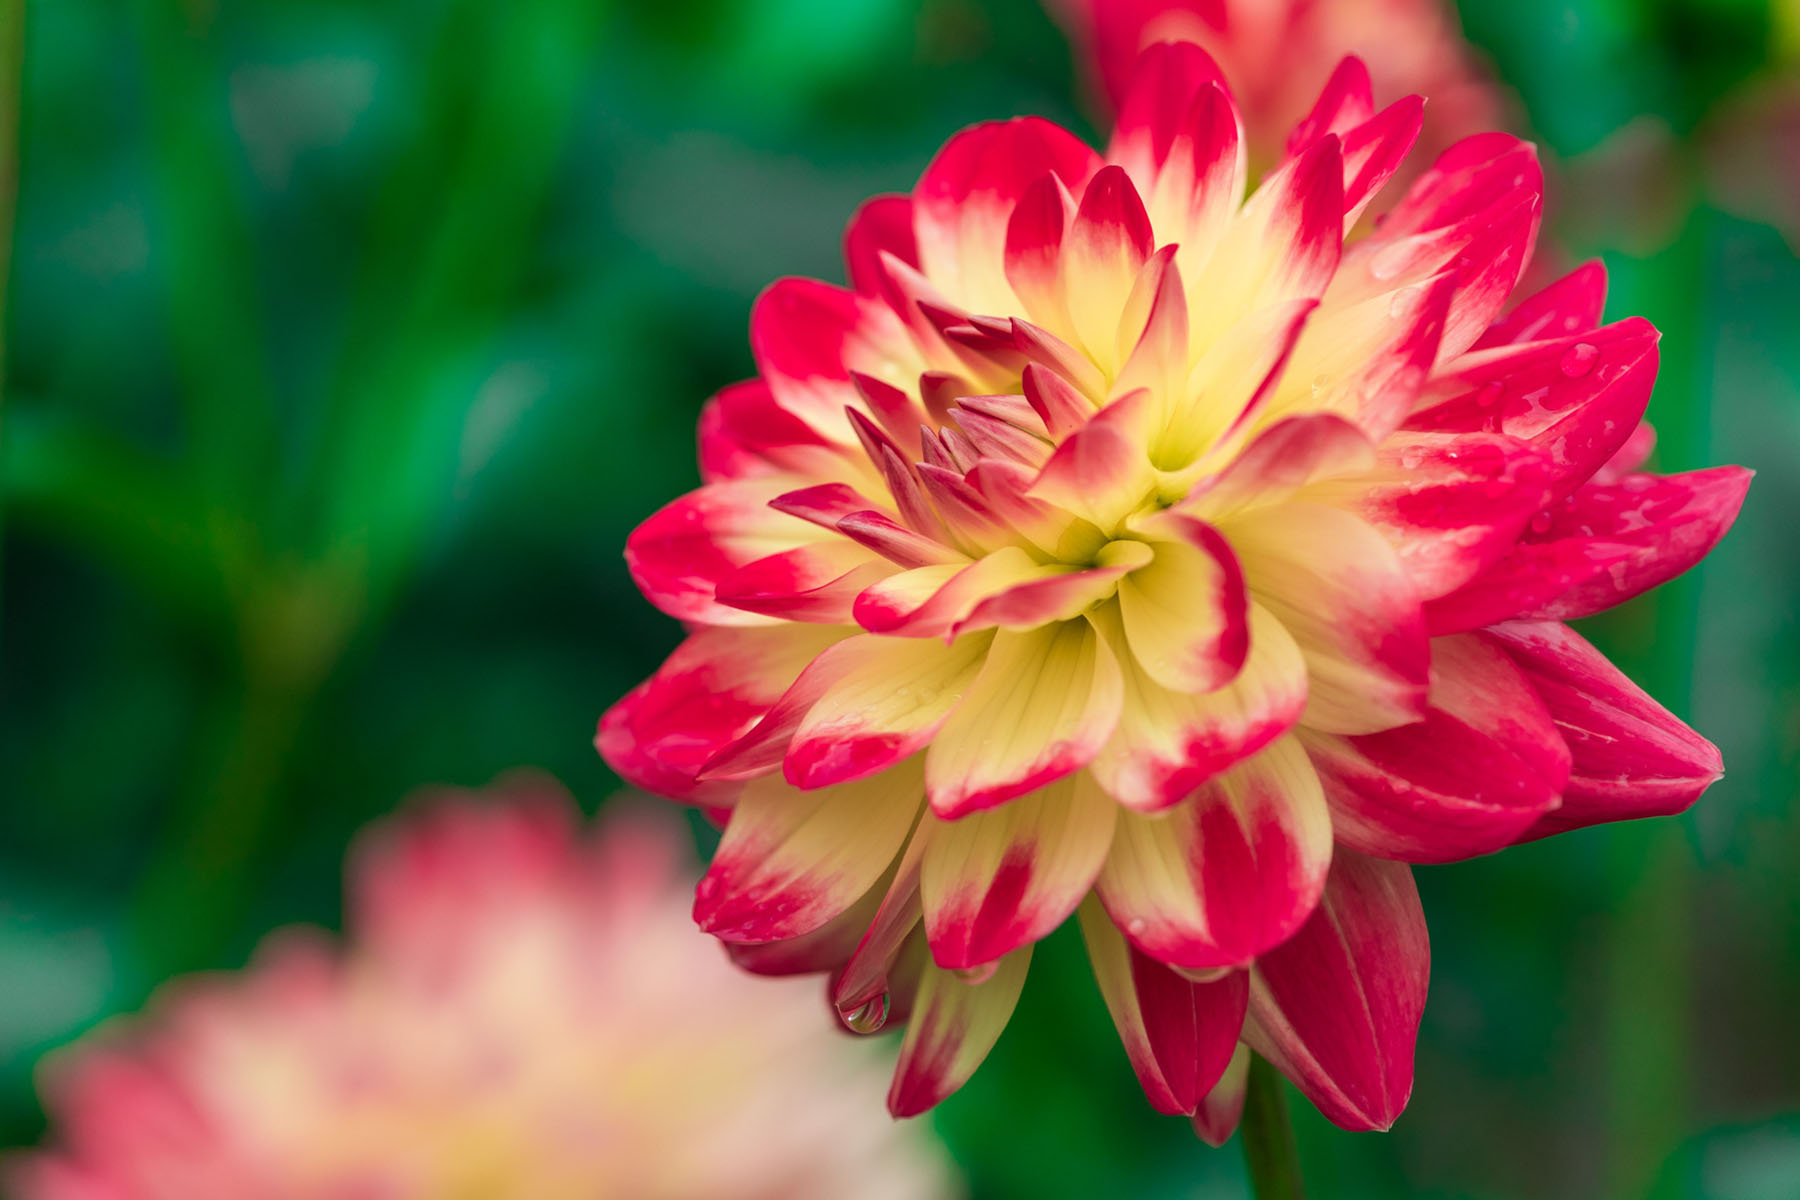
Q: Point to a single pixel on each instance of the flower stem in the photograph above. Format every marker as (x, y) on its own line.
(1270, 1153)
(12, 71)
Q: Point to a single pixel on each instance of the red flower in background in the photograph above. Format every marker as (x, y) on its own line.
(522, 1010)
(1275, 52)
(1119, 543)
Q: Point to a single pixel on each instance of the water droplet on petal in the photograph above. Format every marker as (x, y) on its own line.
(1391, 260)
(1541, 523)
(1489, 395)
(1579, 360)
(869, 1017)
(1136, 926)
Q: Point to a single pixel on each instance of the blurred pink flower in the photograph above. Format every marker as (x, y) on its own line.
(1119, 543)
(1277, 53)
(522, 1009)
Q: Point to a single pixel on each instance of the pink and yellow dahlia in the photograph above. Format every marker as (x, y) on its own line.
(1275, 52)
(1120, 544)
(522, 1011)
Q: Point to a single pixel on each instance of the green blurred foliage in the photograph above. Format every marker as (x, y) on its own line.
(347, 340)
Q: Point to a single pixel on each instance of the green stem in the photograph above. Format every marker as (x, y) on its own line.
(1270, 1152)
(12, 71)
(214, 309)
(189, 906)
(189, 903)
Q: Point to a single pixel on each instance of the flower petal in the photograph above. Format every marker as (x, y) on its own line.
(1168, 743)
(1344, 595)
(826, 948)
(1152, 335)
(816, 582)
(810, 337)
(823, 504)
(680, 554)
(889, 696)
(1101, 471)
(1168, 78)
(762, 748)
(1180, 1035)
(743, 431)
(1186, 614)
(1483, 766)
(1034, 250)
(1229, 872)
(1283, 245)
(1230, 386)
(930, 601)
(790, 860)
(954, 1024)
(1219, 1113)
(1056, 593)
(883, 225)
(1279, 461)
(869, 981)
(1475, 211)
(897, 543)
(1345, 103)
(1572, 304)
(1178, 137)
(1627, 459)
(1450, 504)
(1045, 701)
(1601, 547)
(966, 196)
(1336, 1008)
(716, 686)
(1064, 409)
(1631, 756)
(1367, 360)
(1045, 349)
(1109, 243)
(1374, 150)
(997, 880)
(1577, 399)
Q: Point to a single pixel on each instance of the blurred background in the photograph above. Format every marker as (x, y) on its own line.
(347, 340)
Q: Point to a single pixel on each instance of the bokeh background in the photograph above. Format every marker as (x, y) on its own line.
(347, 339)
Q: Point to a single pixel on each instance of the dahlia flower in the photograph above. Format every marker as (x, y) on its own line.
(522, 1010)
(1122, 545)
(1275, 52)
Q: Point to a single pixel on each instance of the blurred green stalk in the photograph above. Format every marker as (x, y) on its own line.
(459, 214)
(215, 309)
(12, 70)
(292, 632)
(194, 884)
(1270, 1153)
(504, 85)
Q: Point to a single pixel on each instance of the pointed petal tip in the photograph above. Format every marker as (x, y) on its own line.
(1212, 1135)
(911, 1096)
